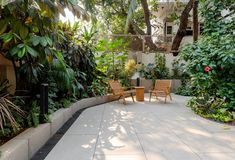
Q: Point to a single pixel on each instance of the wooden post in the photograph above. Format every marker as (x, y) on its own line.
(43, 101)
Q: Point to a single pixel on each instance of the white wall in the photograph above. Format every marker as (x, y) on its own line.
(147, 58)
(150, 58)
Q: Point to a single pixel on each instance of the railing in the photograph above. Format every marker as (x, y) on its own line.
(138, 42)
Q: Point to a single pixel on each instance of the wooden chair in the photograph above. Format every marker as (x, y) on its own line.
(118, 90)
(161, 89)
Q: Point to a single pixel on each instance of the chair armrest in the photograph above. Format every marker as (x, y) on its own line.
(128, 88)
(168, 89)
(151, 88)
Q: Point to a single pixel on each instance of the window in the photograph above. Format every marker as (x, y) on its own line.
(169, 30)
(189, 31)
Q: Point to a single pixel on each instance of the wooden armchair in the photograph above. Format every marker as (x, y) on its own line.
(161, 89)
(117, 89)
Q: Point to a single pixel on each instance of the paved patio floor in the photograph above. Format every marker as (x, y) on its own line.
(145, 131)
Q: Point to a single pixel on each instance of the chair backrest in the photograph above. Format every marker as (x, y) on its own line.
(115, 87)
(162, 85)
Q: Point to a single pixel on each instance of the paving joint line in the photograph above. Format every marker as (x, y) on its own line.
(97, 138)
(131, 122)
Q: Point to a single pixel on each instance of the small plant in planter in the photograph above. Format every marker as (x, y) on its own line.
(158, 70)
(129, 71)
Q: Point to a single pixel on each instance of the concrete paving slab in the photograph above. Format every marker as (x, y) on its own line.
(155, 155)
(200, 143)
(88, 122)
(217, 156)
(119, 157)
(117, 127)
(180, 154)
(74, 147)
(120, 144)
(145, 131)
(160, 142)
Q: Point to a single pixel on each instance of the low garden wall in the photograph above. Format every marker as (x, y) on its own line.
(26, 144)
(148, 84)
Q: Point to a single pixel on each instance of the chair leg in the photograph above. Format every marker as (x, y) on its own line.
(150, 96)
(170, 97)
(157, 97)
(165, 99)
(132, 97)
(124, 101)
(119, 98)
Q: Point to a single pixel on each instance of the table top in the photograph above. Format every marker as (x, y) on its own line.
(139, 87)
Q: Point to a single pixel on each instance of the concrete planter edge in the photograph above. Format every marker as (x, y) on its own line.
(25, 145)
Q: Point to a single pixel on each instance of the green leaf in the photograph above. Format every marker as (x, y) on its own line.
(14, 50)
(233, 113)
(21, 52)
(49, 41)
(35, 40)
(35, 29)
(24, 31)
(31, 51)
(15, 25)
(3, 24)
(7, 37)
(18, 37)
(223, 110)
(43, 41)
(20, 45)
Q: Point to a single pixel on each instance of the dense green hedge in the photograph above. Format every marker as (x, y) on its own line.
(211, 63)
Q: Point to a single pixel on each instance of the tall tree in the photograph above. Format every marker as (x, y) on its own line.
(182, 28)
(114, 13)
(148, 39)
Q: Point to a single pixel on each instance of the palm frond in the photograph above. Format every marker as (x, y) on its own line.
(7, 108)
(4, 85)
(5, 2)
(132, 8)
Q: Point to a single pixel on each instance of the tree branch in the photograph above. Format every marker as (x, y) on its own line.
(134, 29)
(182, 28)
(144, 4)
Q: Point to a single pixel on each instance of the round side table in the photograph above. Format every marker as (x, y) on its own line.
(139, 93)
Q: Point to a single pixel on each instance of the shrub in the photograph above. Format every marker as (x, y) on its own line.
(158, 70)
(211, 63)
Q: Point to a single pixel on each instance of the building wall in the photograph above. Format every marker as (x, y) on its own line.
(165, 9)
(146, 58)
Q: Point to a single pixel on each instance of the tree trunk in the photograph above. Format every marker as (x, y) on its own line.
(148, 38)
(182, 28)
(195, 20)
(135, 30)
(144, 4)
